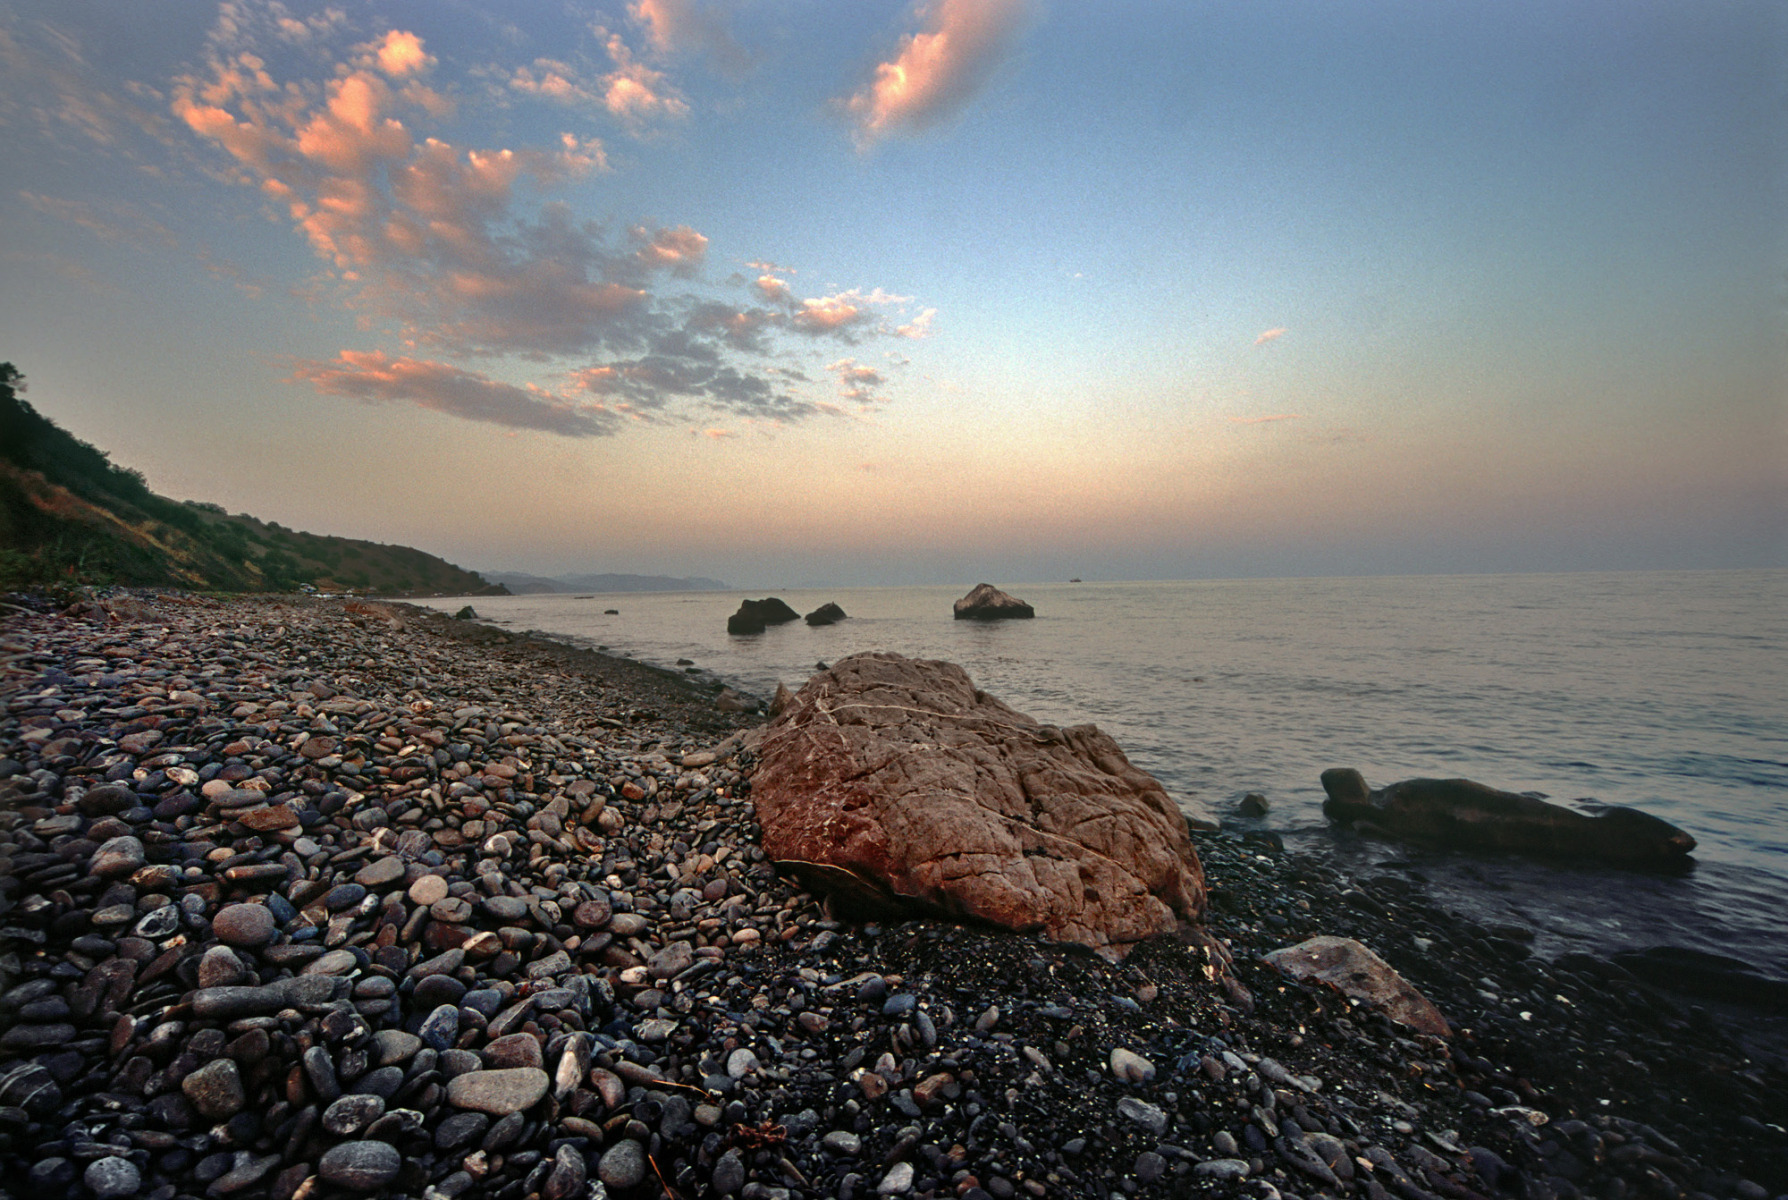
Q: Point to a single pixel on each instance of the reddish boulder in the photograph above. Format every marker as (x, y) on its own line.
(894, 781)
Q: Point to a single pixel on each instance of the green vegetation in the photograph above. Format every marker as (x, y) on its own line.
(69, 515)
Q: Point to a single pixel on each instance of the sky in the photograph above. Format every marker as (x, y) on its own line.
(789, 291)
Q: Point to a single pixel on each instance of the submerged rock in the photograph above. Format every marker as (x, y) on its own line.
(988, 603)
(894, 781)
(754, 615)
(1458, 812)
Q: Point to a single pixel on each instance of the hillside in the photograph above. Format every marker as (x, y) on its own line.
(69, 515)
(522, 584)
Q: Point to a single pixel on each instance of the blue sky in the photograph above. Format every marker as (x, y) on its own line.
(884, 293)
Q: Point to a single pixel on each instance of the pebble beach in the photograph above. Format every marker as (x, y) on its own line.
(306, 898)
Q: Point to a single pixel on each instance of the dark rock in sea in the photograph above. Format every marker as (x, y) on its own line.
(754, 615)
(826, 614)
(894, 781)
(988, 603)
(1252, 805)
(1458, 812)
(467, 613)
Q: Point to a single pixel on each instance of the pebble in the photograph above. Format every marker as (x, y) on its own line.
(729, 1174)
(247, 925)
(498, 1092)
(623, 1164)
(362, 1166)
(897, 1182)
(112, 1178)
(1144, 1114)
(1131, 1067)
(567, 1179)
(215, 1089)
(430, 889)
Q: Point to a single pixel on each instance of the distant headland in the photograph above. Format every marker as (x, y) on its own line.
(522, 584)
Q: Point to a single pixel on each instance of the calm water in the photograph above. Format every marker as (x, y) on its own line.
(1666, 691)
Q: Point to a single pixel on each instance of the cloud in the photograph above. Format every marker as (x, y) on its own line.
(51, 85)
(679, 251)
(1264, 420)
(774, 290)
(857, 382)
(553, 80)
(716, 434)
(634, 92)
(919, 326)
(114, 222)
(939, 69)
(682, 366)
(377, 378)
(422, 230)
(1270, 335)
(685, 26)
(401, 53)
(461, 252)
(844, 314)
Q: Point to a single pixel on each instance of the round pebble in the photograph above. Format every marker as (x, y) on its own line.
(112, 1178)
(244, 925)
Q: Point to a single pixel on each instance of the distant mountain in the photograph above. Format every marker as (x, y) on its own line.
(69, 516)
(522, 584)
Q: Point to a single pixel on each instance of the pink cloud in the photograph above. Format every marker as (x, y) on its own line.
(1270, 335)
(689, 27)
(679, 251)
(1264, 420)
(774, 290)
(401, 53)
(377, 378)
(939, 69)
(857, 382)
(635, 92)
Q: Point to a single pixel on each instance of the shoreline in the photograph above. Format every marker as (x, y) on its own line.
(696, 1021)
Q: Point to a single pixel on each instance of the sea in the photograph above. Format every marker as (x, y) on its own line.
(1667, 691)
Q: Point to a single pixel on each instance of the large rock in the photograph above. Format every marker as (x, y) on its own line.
(893, 781)
(1350, 967)
(988, 603)
(826, 614)
(754, 615)
(1458, 812)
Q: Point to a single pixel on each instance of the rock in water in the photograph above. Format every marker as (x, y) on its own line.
(988, 603)
(1458, 812)
(754, 615)
(826, 614)
(1358, 972)
(893, 781)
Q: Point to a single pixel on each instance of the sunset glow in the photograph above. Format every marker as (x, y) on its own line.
(888, 293)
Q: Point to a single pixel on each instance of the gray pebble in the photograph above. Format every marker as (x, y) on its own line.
(623, 1164)
(110, 1178)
